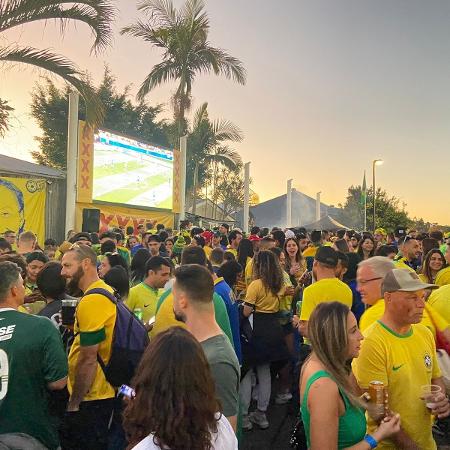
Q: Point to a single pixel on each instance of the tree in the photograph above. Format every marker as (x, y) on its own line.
(49, 108)
(388, 213)
(97, 14)
(207, 151)
(182, 35)
(5, 110)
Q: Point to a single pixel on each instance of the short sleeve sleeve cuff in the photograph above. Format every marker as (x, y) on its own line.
(92, 337)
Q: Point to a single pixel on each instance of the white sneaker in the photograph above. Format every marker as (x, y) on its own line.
(259, 418)
(282, 399)
(246, 423)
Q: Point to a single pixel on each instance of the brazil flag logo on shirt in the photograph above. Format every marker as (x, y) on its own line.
(427, 360)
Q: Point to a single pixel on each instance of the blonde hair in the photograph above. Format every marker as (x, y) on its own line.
(327, 332)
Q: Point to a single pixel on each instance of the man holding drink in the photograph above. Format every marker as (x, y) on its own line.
(400, 353)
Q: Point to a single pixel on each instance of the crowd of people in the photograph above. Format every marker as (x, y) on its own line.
(218, 324)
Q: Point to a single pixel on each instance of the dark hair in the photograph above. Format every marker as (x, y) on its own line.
(196, 230)
(37, 256)
(245, 250)
(233, 235)
(343, 258)
(9, 274)
(107, 247)
(341, 245)
(340, 233)
(263, 232)
(200, 240)
(19, 260)
(316, 236)
(109, 235)
(50, 242)
(138, 265)
(50, 281)
(5, 245)
(255, 230)
(117, 260)
(267, 268)
(130, 230)
(175, 394)
(429, 244)
(193, 255)
(160, 227)
(225, 225)
(94, 238)
(216, 256)
(438, 235)
(118, 279)
(81, 237)
(153, 237)
(426, 269)
(385, 250)
(196, 282)
(230, 271)
(155, 263)
(353, 260)
(277, 251)
(279, 236)
(229, 256)
(163, 235)
(360, 250)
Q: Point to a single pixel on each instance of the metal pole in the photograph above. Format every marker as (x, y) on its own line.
(318, 206)
(183, 145)
(72, 158)
(289, 204)
(246, 197)
(374, 163)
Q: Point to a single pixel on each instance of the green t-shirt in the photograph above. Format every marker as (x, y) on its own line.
(31, 356)
(144, 297)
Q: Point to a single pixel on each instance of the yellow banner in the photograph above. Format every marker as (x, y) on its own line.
(121, 216)
(22, 206)
(85, 163)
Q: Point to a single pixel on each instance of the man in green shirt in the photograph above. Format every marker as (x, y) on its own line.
(144, 296)
(29, 369)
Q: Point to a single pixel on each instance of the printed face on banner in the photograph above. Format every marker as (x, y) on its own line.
(12, 208)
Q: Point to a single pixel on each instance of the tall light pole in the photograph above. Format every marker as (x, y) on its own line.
(318, 206)
(375, 162)
(183, 147)
(289, 204)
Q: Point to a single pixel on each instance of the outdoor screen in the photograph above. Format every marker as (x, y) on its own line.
(132, 173)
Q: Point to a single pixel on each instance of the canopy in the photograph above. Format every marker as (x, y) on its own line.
(326, 223)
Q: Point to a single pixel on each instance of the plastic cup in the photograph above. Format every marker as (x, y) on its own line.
(429, 393)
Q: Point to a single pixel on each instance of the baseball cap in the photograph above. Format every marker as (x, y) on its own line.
(289, 234)
(217, 234)
(381, 231)
(327, 255)
(403, 280)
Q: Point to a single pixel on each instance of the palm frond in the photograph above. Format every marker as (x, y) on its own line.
(97, 14)
(157, 37)
(225, 130)
(223, 159)
(200, 115)
(161, 12)
(62, 67)
(162, 72)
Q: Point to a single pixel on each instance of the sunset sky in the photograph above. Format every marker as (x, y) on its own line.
(331, 86)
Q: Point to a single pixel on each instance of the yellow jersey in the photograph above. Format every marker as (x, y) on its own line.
(400, 263)
(249, 272)
(443, 277)
(430, 319)
(262, 299)
(325, 290)
(145, 298)
(403, 363)
(440, 301)
(95, 318)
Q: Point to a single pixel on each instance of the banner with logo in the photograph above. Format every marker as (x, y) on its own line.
(121, 216)
(22, 205)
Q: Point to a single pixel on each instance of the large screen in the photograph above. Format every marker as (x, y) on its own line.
(132, 173)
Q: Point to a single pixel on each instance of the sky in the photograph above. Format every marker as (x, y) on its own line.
(332, 85)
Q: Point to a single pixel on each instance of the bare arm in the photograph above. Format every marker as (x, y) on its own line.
(84, 375)
(247, 311)
(303, 327)
(233, 421)
(57, 385)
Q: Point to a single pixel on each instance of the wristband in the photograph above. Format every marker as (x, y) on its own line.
(371, 441)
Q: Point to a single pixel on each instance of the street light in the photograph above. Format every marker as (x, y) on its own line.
(375, 162)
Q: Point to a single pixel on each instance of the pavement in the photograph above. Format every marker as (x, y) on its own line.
(282, 420)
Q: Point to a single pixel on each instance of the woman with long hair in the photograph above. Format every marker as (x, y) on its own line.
(434, 261)
(138, 266)
(244, 256)
(341, 245)
(295, 264)
(366, 247)
(175, 406)
(110, 260)
(332, 411)
(266, 343)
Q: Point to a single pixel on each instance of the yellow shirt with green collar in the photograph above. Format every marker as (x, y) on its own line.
(443, 277)
(431, 318)
(232, 250)
(403, 363)
(95, 318)
(145, 298)
(400, 263)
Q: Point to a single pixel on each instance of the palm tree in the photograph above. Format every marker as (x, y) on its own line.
(97, 14)
(182, 35)
(207, 150)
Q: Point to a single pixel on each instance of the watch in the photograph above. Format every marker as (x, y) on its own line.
(371, 441)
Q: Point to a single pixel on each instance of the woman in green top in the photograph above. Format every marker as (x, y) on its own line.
(331, 409)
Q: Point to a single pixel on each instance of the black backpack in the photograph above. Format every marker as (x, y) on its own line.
(130, 338)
